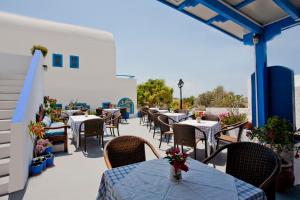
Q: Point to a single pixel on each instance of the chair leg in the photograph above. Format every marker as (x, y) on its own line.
(85, 144)
(160, 140)
(181, 148)
(195, 150)
(113, 130)
(118, 132)
(110, 131)
(169, 138)
(102, 138)
(154, 132)
(217, 147)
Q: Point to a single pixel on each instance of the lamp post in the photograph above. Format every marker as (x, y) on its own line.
(180, 85)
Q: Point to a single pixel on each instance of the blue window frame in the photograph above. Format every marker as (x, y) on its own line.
(57, 60)
(74, 62)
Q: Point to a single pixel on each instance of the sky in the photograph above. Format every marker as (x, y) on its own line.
(156, 41)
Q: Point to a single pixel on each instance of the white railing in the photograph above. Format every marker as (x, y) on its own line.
(21, 143)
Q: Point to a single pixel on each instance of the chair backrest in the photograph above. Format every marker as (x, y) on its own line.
(211, 117)
(155, 119)
(163, 123)
(93, 127)
(116, 119)
(185, 134)
(251, 162)
(238, 126)
(99, 111)
(125, 150)
(123, 112)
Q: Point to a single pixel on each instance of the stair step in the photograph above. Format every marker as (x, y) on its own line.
(4, 136)
(10, 89)
(4, 185)
(11, 105)
(11, 82)
(5, 124)
(4, 150)
(4, 166)
(5, 197)
(10, 97)
(6, 114)
(9, 76)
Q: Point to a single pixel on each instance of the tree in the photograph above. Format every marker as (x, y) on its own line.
(154, 92)
(221, 98)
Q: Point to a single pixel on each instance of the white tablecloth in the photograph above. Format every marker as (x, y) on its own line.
(150, 180)
(111, 110)
(175, 116)
(210, 128)
(75, 121)
(70, 112)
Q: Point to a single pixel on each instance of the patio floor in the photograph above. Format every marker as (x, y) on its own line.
(77, 175)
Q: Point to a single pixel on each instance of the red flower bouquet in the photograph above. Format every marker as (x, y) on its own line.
(178, 162)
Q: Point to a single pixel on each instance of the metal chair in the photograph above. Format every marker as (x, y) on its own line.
(252, 163)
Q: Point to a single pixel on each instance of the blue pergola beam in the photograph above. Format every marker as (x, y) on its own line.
(289, 8)
(232, 14)
(237, 6)
(199, 19)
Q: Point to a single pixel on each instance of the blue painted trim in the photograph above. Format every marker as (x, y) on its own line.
(27, 87)
(57, 56)
(76, 64)
(261, 81)
(289, 8)
(275, 28)
(200, 19)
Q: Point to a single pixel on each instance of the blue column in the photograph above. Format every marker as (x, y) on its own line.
(261, 82)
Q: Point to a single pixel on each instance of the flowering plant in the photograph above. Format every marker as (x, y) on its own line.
(276, 133)
(230, 118)
(36, 129)
(200, 114)
(41, 146)
(178, 161)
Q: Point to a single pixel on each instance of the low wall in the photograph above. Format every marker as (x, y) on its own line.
(21, 143)
(217, 111)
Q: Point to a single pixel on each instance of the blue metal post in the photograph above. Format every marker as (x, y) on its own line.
(261, 81)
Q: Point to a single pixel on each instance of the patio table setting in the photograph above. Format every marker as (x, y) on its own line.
(210, 128)
(75, 121)
(111, 110)
(70, 112)
(175, 116)
(159, 110)
(150, 180)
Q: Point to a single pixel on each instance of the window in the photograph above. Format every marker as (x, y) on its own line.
(74, 62)
(57, 60)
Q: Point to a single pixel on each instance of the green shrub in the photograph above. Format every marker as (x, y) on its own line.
(43, 49)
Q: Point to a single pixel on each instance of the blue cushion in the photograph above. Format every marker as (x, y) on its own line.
(47, 121)
(55, 132)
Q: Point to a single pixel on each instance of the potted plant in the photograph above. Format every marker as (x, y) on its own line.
(277, 134)
(36, 167)
(43, 49)
(177, 162)
(49, 159)
(230, 118)
(199, 116)
(46, 145)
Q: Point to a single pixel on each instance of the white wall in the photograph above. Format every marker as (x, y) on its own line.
(217, 111)
(12, 64)
(94, 81)
(297, 100)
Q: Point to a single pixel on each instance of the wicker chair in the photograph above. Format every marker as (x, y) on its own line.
(151, 118)
(165, 127)
(223, 136)
(185, 135)
(123, 112)
(92, 127)
(211, 117)
(144, 115)
(156, 123)
(113, 123)
(125, 150)
(252, 163)
(99, 112)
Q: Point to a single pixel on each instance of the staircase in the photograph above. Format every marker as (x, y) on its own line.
(10, 89)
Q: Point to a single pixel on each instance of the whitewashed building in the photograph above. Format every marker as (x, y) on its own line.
(297, 100)
(81, 61)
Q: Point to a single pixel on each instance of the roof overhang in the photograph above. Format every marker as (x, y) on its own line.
(242, 19)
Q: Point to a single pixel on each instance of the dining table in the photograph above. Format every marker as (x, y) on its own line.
(70, 112)
(111, 110)
(176, 117)
(151, 180)
(159, 110)
(210, 128)
(75, 121)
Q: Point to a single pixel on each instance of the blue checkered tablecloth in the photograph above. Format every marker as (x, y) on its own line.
(106, 191)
